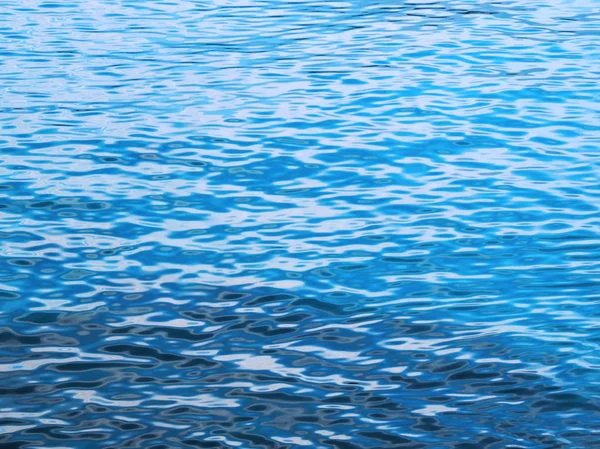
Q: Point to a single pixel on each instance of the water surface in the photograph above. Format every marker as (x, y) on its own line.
(269, 224)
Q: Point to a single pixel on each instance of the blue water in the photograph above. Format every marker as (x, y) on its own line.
(285, 224)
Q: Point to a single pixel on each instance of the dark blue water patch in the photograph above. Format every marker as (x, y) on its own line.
(287, 367)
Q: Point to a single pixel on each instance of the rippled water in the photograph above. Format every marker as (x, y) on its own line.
(246, 224)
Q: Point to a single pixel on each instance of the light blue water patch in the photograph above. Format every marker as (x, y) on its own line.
(269, 224)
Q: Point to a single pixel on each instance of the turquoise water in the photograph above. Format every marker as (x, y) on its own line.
(269, 224)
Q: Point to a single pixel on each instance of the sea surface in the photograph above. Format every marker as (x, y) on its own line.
(284, 224)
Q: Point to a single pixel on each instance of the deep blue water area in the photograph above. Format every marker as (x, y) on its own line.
(283, 224)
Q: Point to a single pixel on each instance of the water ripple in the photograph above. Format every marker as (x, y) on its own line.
(344, 225)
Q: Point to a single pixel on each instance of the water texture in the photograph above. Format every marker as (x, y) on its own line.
(284, 224)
